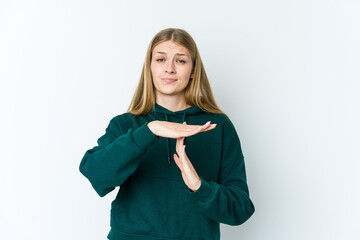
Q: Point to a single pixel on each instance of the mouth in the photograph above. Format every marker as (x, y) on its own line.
(169, 80)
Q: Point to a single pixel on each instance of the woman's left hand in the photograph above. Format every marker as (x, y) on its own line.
(189, 175)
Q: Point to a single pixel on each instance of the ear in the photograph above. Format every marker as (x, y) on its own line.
(191, 76)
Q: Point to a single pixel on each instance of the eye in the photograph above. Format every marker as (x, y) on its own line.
(159, 60)
(182, 61)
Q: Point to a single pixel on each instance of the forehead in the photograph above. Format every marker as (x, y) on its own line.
(170, 47)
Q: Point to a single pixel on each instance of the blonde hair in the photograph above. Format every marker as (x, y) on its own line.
(198, 91)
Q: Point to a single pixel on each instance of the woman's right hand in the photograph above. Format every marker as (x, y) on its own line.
(177, 130)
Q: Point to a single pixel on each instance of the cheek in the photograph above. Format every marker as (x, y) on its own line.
(184, 82)
(155, 70)
(187, 73)
(153, 75)
(152, 68)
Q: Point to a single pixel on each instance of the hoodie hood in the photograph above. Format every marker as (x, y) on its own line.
(193, 110)
(164, 114)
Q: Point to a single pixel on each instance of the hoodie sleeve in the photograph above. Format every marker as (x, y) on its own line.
(228, 201)
(116, 157)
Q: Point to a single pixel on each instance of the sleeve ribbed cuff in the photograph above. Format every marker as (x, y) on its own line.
(144, 137)
(204, 192)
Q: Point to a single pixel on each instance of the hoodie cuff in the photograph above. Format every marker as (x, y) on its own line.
(204, 192)
(144, 137)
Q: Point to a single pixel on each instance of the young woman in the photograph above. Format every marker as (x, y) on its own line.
(167, 190)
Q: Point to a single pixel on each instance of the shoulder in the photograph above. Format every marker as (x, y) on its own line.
(122, 118)
(226, 125)
(121, 122)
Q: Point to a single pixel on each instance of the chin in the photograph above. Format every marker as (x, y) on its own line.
(169, 93)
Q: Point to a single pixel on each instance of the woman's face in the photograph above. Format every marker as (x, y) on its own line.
(171, 68)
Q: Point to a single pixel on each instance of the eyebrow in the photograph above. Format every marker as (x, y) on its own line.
(181, 54)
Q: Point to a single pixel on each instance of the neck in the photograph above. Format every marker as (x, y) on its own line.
(172, 103)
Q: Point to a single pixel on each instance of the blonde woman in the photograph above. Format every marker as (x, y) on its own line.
(174, 154)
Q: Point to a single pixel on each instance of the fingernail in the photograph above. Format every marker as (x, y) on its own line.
(207, 122)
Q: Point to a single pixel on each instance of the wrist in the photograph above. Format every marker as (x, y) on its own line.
(197, 186)
(151, 125)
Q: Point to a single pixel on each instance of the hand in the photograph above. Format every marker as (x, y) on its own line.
(188, 173)
(177, 130)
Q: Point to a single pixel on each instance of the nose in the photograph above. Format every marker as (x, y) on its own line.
(170, 68)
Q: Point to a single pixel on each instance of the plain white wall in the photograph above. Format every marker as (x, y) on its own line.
(285, 71)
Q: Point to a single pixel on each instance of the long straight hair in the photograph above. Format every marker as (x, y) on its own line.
(198, 91)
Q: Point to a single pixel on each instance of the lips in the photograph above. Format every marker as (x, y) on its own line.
(169, 80)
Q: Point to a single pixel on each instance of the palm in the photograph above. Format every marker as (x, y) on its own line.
(188, 171)
(177, 130)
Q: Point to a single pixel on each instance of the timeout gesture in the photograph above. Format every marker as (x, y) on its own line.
(177, 130)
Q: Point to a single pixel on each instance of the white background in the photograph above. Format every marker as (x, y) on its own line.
(285, 71)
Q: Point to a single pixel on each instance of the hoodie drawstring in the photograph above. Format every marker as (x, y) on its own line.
(183, 120)
(168, 140)
(168, 144)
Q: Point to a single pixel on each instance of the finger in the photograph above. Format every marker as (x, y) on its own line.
(194, 129)
(190, 132)
(212, 126)
(186, 164)
(190, 128)
(208, 125)
(204, 126)
(177, 145)
(179, 142)
(184, 160)
(177, 161)
(180, 160)
(183, 154)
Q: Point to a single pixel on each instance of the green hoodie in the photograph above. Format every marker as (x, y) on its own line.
(153, 202)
